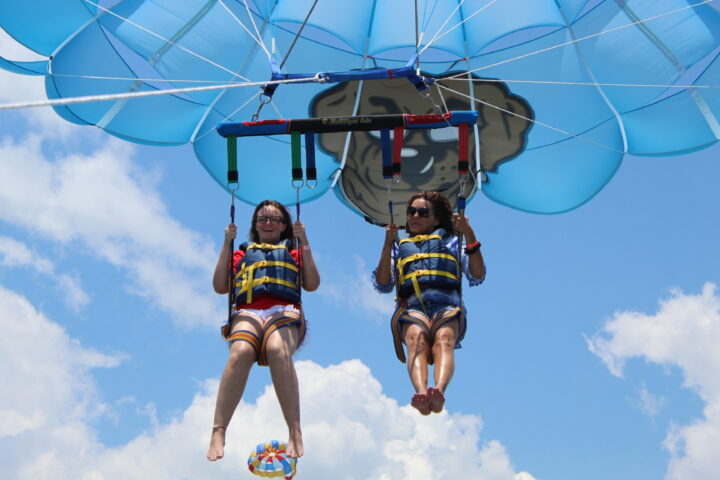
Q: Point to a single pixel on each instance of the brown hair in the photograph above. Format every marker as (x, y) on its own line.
(287, 232)
(440, 208)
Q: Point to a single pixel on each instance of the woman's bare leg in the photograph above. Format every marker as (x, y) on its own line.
(418, 352)
(232, 385)
(443, 351)
(279, 350)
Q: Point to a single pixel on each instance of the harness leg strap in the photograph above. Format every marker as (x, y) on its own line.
(286, 320)
(246, 336)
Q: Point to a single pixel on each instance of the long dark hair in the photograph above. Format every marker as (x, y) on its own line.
(441, 209)
(286, 234)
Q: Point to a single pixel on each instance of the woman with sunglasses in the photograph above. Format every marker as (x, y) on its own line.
(425, 268)
(267, 325)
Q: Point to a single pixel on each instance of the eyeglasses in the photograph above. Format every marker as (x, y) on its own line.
(424, 212)
(274, 220)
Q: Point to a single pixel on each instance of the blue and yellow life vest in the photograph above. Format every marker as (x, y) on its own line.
(426, 261)
(267, 269)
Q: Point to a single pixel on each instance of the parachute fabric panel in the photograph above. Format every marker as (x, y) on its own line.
(564, 88)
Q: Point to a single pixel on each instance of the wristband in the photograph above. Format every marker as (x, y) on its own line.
(472, 248)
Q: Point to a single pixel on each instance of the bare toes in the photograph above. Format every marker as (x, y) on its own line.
(420, 402)
(436, 399)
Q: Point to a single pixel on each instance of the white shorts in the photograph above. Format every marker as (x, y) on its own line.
(266, 313)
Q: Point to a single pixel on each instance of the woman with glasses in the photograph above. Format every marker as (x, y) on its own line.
(267, 325)
(425, 269)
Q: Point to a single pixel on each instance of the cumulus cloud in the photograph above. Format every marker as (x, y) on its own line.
(17, 254)
(44, 373)
(351, 430)
(341, 279)
(109, 207)
(683, 333)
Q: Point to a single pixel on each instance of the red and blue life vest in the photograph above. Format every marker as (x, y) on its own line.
(267, 269)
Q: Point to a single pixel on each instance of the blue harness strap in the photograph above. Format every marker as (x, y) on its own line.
(287, 319)
(248, 337)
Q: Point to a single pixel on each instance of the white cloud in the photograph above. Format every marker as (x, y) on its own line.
(685, 333)
(339, 279)
(650, 403)
(351, 430)
(110, 208)
(17, 254)
(43, 371)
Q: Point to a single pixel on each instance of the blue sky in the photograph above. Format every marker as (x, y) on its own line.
(591, 350)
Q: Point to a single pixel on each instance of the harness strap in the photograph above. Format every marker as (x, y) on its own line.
(246, 336)
(265, 246)
(421, 238)
(297, 171)
(398, 133)
(250, 283)
(416, 285)
(232, 178)
(386, 153)
(272, 326)
(419, 256)
(310, 168)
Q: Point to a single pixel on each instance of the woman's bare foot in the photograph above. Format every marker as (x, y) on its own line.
(436, 399)
(421, 404)
(295, 445)
(217, 444)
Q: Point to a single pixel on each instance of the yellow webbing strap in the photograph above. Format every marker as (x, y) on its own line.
(252, 283)
(266, 246)
(421, 238)
(247, 282)
(420, 256)
(416, 286)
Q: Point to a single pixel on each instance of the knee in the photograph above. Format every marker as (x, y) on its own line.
(241, 353)
(277, 350)
(444, 340)
(417, 341)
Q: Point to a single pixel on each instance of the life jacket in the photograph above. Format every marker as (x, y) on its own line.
(267, 269)
(426, 261)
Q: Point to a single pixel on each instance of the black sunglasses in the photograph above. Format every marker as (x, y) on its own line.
(424, 212)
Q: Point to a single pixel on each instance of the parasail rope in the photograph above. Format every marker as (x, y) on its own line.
(302, 27)
(520, 57)
(154, 93)
(257, 39)
(257, 32)
(417, 33)
(442, 97)
(588, 84)
(427, 16)
(228, 117)
(127, 20)
(132, 79)
(438, 36)
(272, 104)
(356, 107)
(452, 14)
(454, 78)
(514, 114)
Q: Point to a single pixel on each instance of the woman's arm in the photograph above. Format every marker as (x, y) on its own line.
(222, 269)
(383, 274)
(477, 264)
(310, 274)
